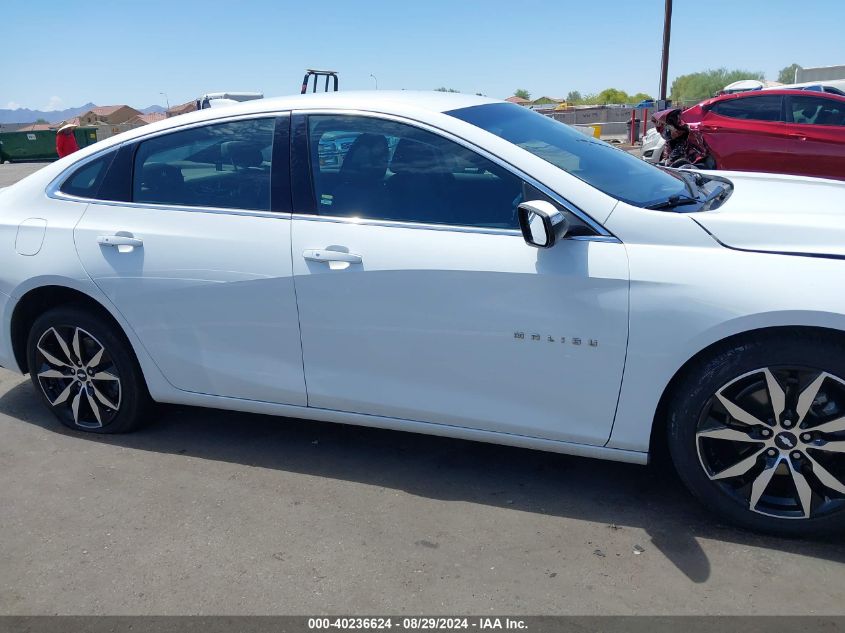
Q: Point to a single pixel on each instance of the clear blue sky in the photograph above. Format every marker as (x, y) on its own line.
(59, 54)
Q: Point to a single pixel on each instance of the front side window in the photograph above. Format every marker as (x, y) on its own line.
(597, 163)
(374, 168)
(816, 111)
(224, 165)
(755, 108)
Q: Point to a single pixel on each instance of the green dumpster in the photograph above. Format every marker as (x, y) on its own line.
(39, 145)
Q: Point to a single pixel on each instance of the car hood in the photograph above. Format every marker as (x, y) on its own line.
(776, 213)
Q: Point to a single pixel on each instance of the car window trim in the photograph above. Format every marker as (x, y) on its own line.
(299, 146)
(279, 137)
(714, 108)
(820, 96)
(114, 151)
(53, 188)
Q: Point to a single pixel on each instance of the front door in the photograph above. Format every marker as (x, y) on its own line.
(419, 299)
(198, 261)
(748, 134)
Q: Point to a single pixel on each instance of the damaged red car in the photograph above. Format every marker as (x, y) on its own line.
(780, 131)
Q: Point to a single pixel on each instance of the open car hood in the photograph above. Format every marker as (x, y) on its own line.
(776, 213)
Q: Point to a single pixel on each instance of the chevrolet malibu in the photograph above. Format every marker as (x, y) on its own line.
(466, 268)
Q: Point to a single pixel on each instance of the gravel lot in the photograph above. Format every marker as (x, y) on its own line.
(10, 173)
(211, 512)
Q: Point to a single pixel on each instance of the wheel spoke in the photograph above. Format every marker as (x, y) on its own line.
(805, 492)
(76, 346)
(761, 483)
(74, 405)
(833, 447)
(104, 375)
(825, 477)
(834, 426)
(96, 358)
(776, 393)
(62, 397)
(63, 345)
(99, 395)
(53, 373)
(94, 407)
(740, 468)
(805, 400)
(727, 433)
(52, 359)
(736, 412)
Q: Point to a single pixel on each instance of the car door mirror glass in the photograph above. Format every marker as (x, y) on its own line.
(542, 224)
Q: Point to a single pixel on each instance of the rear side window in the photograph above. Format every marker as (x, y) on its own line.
(85, 181)
(816, 111)
(756, 108)
(225, 165)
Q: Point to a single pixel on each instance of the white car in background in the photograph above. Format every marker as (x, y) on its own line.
(224, 99)
(651, 148)
(467, 268)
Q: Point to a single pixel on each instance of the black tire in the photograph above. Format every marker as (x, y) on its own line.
(735, 373)
(128, 396)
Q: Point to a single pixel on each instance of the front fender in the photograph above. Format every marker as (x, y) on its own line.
(684, 300)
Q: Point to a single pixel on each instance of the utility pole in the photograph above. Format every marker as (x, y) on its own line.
(664, 62)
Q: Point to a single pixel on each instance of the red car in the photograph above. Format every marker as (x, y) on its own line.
(782, 131)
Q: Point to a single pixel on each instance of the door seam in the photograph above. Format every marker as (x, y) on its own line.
(298, 317)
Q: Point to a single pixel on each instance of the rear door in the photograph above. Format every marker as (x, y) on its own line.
(191, 243)
(748, 133)
(817, 135)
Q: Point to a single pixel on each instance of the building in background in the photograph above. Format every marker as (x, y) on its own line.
(820, 73)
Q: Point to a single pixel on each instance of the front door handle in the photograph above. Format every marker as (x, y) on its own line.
(119, 240)
(325, 255)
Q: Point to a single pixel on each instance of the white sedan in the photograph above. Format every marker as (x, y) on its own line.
(456, 266)
(651, 149)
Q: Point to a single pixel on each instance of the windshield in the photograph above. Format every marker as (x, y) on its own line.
(597, 163)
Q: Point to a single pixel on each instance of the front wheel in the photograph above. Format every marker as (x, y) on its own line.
(86, 372)
(757, 433)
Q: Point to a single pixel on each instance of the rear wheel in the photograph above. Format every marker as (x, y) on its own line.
(86, 372)
(757, 432)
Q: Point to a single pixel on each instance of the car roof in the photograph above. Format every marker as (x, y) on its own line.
(398, 102)
(773, 92)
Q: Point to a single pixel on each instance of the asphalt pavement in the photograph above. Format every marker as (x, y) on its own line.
(211, 512)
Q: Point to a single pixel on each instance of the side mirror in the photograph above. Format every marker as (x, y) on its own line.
(542, 224)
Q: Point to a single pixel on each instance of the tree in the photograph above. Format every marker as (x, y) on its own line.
(787, 75)
(522, 93)
(41, 120)
(641, 96)
(573, 96)
(444, 89)
(612, 95)
(705, 84)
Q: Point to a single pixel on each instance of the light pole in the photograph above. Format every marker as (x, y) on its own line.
(165, 99)
(664, 61)
(374, 79)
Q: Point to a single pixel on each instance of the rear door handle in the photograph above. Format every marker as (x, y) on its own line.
(119, 240)
(325, 255)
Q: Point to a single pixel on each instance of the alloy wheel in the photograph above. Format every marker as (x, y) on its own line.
(78, 377)
(774, 440)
